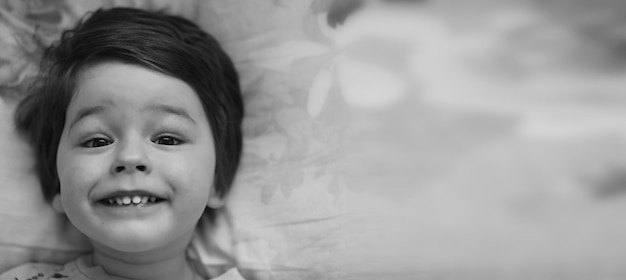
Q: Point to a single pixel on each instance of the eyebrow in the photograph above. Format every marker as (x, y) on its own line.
(169, 109)
(163, 108)
(87, 111)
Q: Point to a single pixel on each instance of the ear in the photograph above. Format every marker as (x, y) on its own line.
(215, 201)
(57, 204)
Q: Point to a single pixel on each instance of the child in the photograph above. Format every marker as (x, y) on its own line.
(136, 124)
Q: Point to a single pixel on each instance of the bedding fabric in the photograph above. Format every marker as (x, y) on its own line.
(384, 139)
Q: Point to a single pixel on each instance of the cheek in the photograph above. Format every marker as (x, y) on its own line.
(74, 178)
(193, 173)
(76, 172)
(205, 169)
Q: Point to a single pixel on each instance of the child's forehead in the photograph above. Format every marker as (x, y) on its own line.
(114, 83)
(122, 71)
(117, 77)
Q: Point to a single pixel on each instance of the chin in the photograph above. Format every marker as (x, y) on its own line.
(131, 242)
(139, 240)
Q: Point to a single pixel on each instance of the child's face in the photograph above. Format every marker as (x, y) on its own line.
(136, 159)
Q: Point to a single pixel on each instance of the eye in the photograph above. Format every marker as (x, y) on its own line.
(96, 142)
(167, 140)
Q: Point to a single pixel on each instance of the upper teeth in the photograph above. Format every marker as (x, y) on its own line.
(128, 200)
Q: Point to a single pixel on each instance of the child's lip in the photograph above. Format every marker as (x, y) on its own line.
(140, 193)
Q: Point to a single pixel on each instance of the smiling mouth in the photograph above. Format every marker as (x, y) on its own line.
(130, 200)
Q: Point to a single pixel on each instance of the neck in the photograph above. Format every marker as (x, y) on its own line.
(158, 264)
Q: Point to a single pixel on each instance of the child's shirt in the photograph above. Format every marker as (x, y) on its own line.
(78, 269)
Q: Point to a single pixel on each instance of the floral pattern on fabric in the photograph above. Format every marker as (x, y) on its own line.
(375, 125)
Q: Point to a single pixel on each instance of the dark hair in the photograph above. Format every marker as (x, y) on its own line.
(165, 43)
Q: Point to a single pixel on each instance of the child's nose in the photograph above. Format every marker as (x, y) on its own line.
(131, 167)
(131, 157)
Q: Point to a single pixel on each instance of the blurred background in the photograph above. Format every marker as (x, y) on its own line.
(395, 139)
